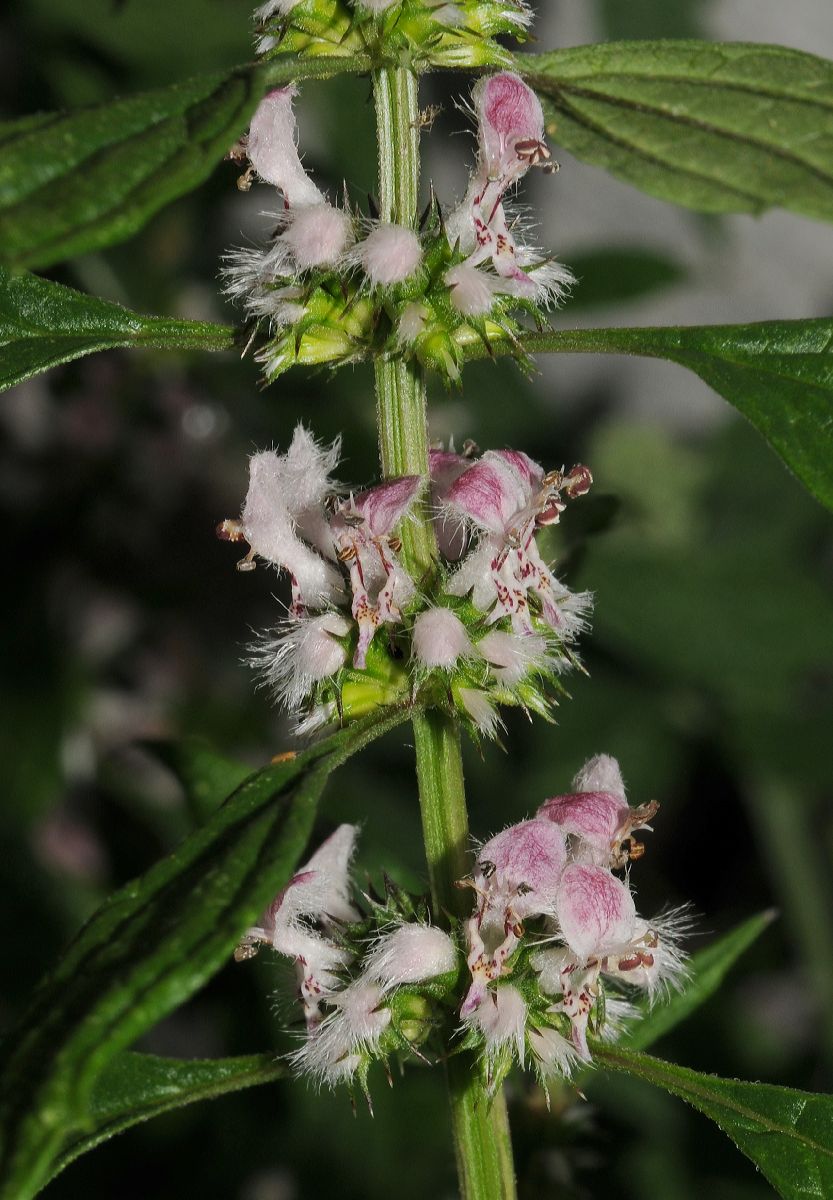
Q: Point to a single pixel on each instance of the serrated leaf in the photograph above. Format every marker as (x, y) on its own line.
(707, 970)
(74, 182)
(779, 374)
(787, 1134)
(150, 947)
(715, 126)
(136, 1087)
(43, 324)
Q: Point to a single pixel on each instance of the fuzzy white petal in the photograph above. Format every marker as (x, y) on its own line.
(440, 638)
(411, 954)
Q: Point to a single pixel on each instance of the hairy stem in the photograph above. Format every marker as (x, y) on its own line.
(481, 1131)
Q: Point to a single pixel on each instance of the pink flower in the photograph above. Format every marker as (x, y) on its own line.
(595, 910)
(506, 497)
(363, 529)
(511, 140)
(300, 920)
(597, 921)
(446, 467)
(516, 878)
(598, 816)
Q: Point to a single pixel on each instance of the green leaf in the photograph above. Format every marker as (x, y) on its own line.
(43, 324)
(74, 182)
(787, 1134)
(206, 776)
(150, 947)
(707, 970)
(715, 126)
(779, 374)
(135, 1087)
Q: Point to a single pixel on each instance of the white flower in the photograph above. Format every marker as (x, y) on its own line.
(389, 254)
(283, 519)
(273, 152)
(514, 656)
(501, 1018)
(412, 953)
(440, 639)
(302, 653)
(333, 1052)
(301, 919)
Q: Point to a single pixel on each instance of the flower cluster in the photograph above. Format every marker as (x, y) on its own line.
(490, 625)
(552, 948)
(369, 983)
(555, 940)
(331, 286)
(448, 33)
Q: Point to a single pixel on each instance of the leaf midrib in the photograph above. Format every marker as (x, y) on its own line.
(633, 147)
(703, 126)
(675, 1083)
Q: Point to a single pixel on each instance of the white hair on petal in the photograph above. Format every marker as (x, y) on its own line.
(412, 953)
(301, 653)
(440, 639)
(481, 710)
(501, 1018)
(333, 1052)
(553, 1054)
(271, 7)
(472, 290)
(317, 235)
(600, 774)
(513, 656)
(389, 254)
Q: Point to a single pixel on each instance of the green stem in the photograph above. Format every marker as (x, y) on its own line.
(481, 1130)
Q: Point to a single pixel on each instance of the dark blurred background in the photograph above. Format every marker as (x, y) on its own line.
(710, 666)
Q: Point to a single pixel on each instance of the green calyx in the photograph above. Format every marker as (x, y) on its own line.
(417, 34)
(333, 316)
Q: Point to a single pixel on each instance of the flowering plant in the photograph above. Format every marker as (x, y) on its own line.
(438, 594)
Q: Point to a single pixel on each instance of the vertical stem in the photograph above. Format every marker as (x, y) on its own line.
(481, 1130)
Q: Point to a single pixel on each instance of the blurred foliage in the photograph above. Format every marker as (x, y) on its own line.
(710, 677)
